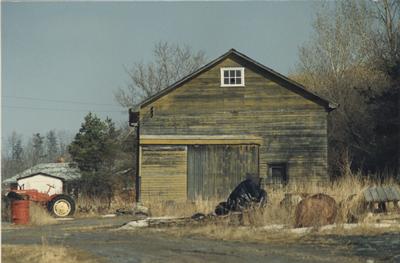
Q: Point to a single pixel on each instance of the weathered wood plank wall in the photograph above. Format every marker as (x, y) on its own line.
(293, 128)
(163, 173)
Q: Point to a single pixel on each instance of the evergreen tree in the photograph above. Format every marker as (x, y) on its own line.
(94, 146)
(94, 150)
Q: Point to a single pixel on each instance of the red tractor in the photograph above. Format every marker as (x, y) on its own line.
(59, 205)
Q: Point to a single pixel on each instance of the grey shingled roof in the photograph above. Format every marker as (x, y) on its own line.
(59, 170)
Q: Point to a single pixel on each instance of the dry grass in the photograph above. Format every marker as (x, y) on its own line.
(43, 253)
(181, 208)
(89, 207)
(236, 233)
(38, 215)
(364, 229)
(347, 193)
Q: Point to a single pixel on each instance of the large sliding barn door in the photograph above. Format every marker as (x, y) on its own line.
(215, 170)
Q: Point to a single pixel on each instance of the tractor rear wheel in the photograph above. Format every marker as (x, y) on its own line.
(61, 206)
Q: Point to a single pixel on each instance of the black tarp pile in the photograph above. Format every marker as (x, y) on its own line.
(248, 194)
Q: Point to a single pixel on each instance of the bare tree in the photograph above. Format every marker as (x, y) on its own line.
(386, 105)
(13, 156)
(336, 63)
(385, 48)
(171, 63)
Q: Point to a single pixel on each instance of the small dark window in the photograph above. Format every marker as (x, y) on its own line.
(151, 112)
(277, 173)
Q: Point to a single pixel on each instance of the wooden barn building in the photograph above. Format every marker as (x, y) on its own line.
(232, 118)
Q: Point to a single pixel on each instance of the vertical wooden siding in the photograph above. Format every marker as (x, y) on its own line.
(215, 170)
(293, 128)
(163, 173)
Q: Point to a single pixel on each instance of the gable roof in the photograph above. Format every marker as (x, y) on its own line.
(58, 170)
(286, 82)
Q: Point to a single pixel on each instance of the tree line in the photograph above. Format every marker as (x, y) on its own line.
(18, 155)
(353, 58)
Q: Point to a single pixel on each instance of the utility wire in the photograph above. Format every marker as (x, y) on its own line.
(58, 109)
(62, 101)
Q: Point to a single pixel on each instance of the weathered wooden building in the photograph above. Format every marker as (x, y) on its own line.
(233, 117)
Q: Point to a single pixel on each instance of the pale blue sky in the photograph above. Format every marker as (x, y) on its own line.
(75, 51)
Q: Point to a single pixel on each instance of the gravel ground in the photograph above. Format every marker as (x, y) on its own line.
(99, 237)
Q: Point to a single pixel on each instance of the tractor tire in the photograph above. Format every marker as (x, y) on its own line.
(61, 206)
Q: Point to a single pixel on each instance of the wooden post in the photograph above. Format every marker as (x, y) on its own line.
(134, 121)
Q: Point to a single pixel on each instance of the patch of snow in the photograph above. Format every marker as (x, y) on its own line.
(65, 218)
(164, 218)
(135, 224)
(350, 226)
(109, 215)
(328, 227)
(301, 230)
(383, 225)
(273, 227)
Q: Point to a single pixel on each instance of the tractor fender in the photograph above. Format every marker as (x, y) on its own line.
(51, 197)
(14, 195)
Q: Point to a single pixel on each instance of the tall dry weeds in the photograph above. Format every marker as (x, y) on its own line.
(181, 208)
(87, 207)
(38, 215)
(43, 253)
(347, 192)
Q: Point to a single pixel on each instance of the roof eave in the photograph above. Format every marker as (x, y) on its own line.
(329, 105)
(185, 79)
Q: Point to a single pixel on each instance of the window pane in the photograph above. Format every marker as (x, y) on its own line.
(238, 73)
(232, 81)
(226, 81)
(277, 172)
(238, 81)
(231, 73)
(226, 73)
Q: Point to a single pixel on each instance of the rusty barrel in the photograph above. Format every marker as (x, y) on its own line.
(20, 212)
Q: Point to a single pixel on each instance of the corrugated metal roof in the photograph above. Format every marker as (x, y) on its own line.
(61, 170)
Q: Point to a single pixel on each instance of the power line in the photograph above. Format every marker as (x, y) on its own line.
(62, 101)
(58, 109)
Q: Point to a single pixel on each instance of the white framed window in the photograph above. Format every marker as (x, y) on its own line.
(232, 77)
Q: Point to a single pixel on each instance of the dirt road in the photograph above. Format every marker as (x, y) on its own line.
(100, 238)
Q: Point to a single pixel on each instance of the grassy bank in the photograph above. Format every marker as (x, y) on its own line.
(44, 253)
